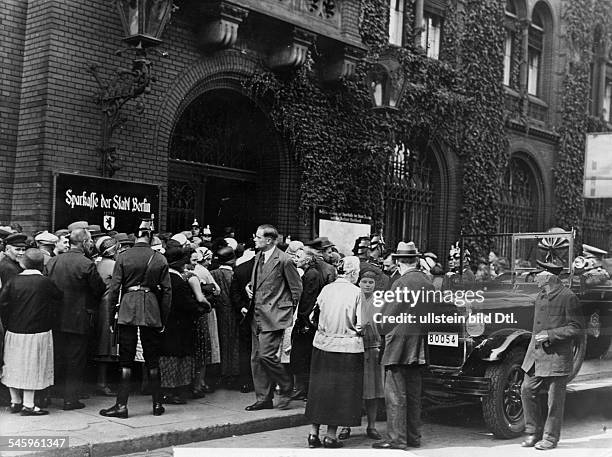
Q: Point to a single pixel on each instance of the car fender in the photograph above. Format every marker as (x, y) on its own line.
(493, 347)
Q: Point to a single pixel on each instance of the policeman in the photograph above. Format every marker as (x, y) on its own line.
(143, 278)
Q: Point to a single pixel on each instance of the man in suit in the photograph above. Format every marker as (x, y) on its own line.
(275, 289)
(76, 275)
(142, 275)
(404, 355)
(241, 302)
(557, 321)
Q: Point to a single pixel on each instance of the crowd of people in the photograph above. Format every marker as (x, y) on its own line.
(286, 318)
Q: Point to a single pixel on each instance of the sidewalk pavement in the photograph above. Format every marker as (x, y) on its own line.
(218, 415)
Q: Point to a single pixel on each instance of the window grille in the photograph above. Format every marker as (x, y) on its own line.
(519, 206)
(408, 197)
(181, 205)
(595, 226)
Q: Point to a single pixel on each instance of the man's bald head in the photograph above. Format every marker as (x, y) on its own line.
(33, 259)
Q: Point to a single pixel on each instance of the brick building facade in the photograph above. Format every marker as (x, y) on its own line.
(50, 122)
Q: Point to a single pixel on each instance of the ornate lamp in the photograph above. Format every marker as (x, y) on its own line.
(143, 23)
(385, 81)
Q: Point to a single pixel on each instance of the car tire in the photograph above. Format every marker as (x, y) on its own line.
(502, 409)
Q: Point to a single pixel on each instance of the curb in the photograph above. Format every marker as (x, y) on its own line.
(174, 438)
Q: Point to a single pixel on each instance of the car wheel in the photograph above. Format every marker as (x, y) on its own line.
(502, 409)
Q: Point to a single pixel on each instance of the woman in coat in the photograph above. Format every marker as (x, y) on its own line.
(176, 360)
(336, 370)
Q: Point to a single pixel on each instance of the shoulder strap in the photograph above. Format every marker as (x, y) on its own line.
(144, 276)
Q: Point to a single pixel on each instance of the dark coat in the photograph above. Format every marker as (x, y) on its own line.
(8, 269)
(312, 284)
(328, 272)
(129, 271)
(404, 343)
(76, 275)
(277, 288)
(177, 339)
(238, 296)
(558, 313)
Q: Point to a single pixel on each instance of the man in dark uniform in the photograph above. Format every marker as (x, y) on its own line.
(404, 355)
(15, 246)
(76, 275)
(557, 321)
(142, 276)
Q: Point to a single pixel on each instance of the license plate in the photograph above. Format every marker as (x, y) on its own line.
(443, 339)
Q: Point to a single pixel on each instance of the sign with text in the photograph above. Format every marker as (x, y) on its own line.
(110, 203)
(598, 166)
(343, 229)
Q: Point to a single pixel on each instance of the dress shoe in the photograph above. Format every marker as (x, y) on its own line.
(284, 401)
(530, 441)
(16, 407)
(299, 395)
(345, 433)
(197, 393)
(387, 445)
(70, 405)
(119, 411)
(331, 443)
(258, 405)
(246, 388)
(207, 389)
(105, 391)
(373, 433)
(171, 399)
(33, 411)
(43, 402)
(158, 409)
(314, 441)
(543, 445)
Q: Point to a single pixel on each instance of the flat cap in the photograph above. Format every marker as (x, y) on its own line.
(46, 238)
(16, 239)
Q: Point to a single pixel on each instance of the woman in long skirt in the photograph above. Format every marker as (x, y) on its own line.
(336, 370)
(28, 303)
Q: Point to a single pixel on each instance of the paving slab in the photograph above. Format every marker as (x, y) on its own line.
(218, 415)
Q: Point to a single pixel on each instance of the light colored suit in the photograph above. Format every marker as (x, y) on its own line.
(277, 288)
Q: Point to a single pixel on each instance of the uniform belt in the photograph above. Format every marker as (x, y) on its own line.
(137, 288)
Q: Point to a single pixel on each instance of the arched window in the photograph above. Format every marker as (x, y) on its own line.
(510, 45)
(520, 201)
(409, 196)
(539, 51)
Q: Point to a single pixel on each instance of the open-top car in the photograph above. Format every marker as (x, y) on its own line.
(481, 356)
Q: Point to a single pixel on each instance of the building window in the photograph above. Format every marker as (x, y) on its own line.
(520, 206)
(534, 55)
(396, 22)
(607, 102)
(432, 34)
(508, 58)
(409, 197)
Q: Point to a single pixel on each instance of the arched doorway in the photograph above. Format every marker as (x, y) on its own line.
(224, 166)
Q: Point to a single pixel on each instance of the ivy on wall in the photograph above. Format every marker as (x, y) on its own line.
(579, 17)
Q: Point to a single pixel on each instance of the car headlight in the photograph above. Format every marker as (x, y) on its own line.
(474, 327)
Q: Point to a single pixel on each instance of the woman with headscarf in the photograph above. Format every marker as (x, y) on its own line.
(206, 338)
(106, 352)
(176, 361)
(336, 370)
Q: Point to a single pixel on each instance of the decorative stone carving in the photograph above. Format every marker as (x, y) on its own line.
(220, 28)
(342, 65)
(293, 53)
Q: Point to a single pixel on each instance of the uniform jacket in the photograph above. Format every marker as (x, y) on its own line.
(129, 271)
(76, 276)
(404, 342)
(8, 269)
(558, 313)
(277, 288)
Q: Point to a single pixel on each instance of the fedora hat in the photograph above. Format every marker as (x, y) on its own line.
(406, 250)
(320, 243)
(553, 267)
